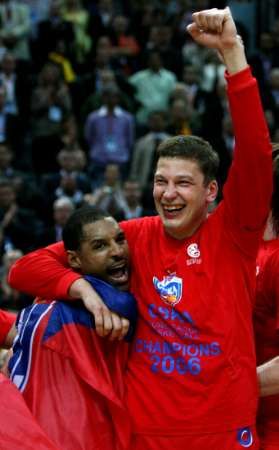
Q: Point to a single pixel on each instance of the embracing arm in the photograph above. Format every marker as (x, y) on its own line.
(45, 273)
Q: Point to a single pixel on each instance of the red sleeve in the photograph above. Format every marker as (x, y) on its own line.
(247, 192)
(6, 321)
(44, 273)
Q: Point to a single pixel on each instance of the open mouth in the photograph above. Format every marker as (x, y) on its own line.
(172, 211)
(118, 274)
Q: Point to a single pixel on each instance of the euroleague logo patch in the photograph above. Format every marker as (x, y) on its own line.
(169, 289)
(245, 437)
(194, 254)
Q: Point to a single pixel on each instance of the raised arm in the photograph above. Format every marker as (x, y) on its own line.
(215, 28)
(45, 273)
(247, 192)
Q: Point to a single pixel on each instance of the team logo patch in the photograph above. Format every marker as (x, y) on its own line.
(193, 254)
(193, 251)
(169, 289)
(245, 437)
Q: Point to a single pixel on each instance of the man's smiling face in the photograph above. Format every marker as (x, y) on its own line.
(181, 196)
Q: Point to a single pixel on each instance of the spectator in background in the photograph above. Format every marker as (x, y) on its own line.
(125, 47)
(160, 40)
(144, 155)
(183, 119)
(102, 13)
(262, 60)
(50, 105)
(20, 227)
(15, 28)
(51, 30)
(17, 87)
(38, 11)
(10, 126)
(191, 79)
(75, 13)
(70, 133)
(27, 192)
(109, 196)
(132, 205)
(153, 87)
(212, 72)
(10, 298)
(62, 58)
(69, 181)
(109, 133)
(106, 77)
(63, 207)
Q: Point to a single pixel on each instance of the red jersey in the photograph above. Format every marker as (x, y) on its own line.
(192, 368)
(193, 353)
(18, 428)
(266, 322)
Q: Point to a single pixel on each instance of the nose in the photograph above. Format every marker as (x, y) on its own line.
(170, 192)
(116, 249)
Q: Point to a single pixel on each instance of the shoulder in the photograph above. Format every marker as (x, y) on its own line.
(143, 225)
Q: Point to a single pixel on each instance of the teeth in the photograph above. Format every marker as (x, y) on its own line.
(172, 208)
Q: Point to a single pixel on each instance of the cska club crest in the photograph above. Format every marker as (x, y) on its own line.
(169, 289)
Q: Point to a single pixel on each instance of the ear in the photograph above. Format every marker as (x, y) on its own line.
(73, 259)
(212, 191)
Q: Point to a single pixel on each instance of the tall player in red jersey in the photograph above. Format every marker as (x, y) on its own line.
(191, 378)
(266, 320)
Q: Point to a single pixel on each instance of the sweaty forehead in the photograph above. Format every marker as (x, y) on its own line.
(101, 229)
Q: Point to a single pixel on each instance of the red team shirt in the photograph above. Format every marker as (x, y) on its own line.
(266, 320)
(18, 428)
(192, 366)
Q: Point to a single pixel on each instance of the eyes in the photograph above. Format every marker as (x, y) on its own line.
(183, 182)
(102, 244)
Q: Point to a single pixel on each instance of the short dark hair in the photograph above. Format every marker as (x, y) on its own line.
(73, 230)
(275, 196)
(193, 148)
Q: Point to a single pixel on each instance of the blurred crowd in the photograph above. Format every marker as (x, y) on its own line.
(88, 90)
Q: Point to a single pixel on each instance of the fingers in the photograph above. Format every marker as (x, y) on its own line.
(125, 327)
(107, 323)
(103, 320)
(210, 20)
(194, 30)
(120, 327)
(116, 327)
